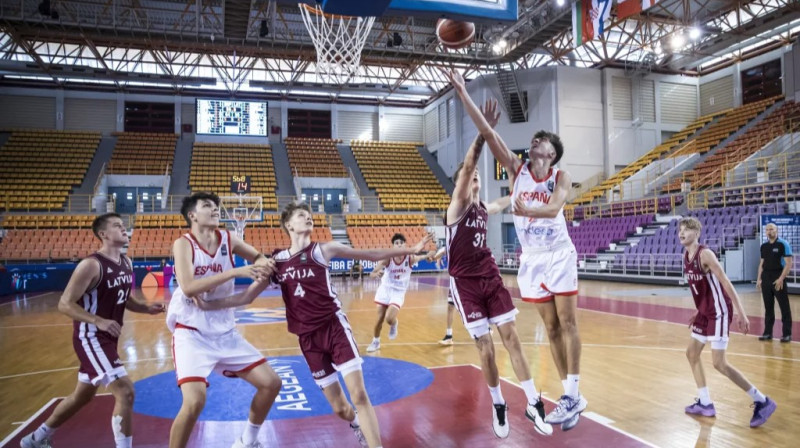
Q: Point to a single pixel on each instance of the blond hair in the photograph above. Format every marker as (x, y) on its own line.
(691, 223)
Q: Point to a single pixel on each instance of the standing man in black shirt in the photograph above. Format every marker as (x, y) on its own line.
(776, 263)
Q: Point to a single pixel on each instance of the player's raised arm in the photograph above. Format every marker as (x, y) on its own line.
(498, 205)
(557, 200)
(245, 298)
(496, 144)
(334, 249)
(246, 251)
(191, 286)
(86, 275)
(710, 262)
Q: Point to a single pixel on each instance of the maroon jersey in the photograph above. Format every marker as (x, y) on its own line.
(306, 287)
(709, 297)
(466, 245)
(107, 298)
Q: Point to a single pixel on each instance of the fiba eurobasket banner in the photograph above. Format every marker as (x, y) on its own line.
(590, 17)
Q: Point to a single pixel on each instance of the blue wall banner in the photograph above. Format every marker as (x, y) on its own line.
(788, 228)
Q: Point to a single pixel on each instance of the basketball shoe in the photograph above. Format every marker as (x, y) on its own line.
(762, 412)
(447, 340)
(567, 408)
(500, 421)
(705, 410)
(571, 423)
(393, 329)
(239, 444)
(374, 346)
(535, 413)
(29, 442)
(362, 440)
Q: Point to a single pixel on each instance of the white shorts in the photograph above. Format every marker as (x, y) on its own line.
(196, 356)
(388, 296)
(720, 343)
(104, 379)
(544, 275)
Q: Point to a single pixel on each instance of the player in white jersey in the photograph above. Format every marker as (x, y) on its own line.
(548, 274)
(206, 341)
(392, 291)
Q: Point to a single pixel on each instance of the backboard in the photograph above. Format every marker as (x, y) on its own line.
(469, 10)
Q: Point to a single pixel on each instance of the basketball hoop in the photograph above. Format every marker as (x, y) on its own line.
(239, 210)
(338, 40)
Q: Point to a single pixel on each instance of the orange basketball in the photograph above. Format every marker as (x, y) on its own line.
(454, 34)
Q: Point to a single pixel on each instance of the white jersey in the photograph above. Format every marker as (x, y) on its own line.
(397, 276)
(183, 311)
(538, 233)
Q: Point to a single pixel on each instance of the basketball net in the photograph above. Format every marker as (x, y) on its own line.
(239, 210)
(338, 40)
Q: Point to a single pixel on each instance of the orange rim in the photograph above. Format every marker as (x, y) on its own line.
(316, 11)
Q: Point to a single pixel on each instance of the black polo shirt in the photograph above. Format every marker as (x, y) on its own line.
(773, 254)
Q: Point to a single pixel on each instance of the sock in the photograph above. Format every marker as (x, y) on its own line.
(43, 432)
(530, 391)
(355, 423)
(705, 398)
(250, 433)
(376, 339)
(449, 332)
(756, 395)
(497, 395)
(572, 385)
(564, 384)
(126, 442)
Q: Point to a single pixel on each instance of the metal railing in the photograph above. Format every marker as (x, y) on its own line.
(617, 209)
(753, 194)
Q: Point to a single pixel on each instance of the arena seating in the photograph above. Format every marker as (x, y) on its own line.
(314, 157)
(718, 132)
(753, 194)
(56, 237)
(593, 235)
(386, 219)
(399, 175)
(142, 153)
(213, 164)
(39, 168)
(661, 204)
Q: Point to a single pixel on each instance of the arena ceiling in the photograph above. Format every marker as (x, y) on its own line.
(261, 48)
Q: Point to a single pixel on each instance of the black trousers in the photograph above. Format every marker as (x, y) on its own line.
(769, 294)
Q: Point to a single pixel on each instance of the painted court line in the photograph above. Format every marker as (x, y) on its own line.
(28, 421)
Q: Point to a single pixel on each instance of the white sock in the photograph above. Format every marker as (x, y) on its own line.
(497, 395)
(126, 442)
(564, 384)
(756, 395)
(43, 432)
(355, 422)
(449, 332)
(250, 433)
(530, 391)
(572, 385)
(376, 339)
(705, 398)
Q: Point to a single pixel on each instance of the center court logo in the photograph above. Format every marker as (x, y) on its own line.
(228, 399)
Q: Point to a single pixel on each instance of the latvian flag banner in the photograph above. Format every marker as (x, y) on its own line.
(627, 8)
(588, 20)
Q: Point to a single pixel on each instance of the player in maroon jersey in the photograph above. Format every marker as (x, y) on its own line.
(715, 298)
(96, 297)
(314, 314)
(478, 289)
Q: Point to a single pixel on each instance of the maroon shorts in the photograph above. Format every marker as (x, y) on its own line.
(713, 328)
(99, 361)
(330, 348)
(482, 300)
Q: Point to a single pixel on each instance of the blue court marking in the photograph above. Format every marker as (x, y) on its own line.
(255, 315)
(228, 399)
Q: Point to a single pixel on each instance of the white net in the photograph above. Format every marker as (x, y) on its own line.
(338, 40)
(239, 210)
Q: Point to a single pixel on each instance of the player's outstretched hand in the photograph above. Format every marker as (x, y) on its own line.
(519, 208)
(744, 323)
(456, 80)
(420, 246)
(490, 112)
(253, 271)
(156, 308)
(109, 326)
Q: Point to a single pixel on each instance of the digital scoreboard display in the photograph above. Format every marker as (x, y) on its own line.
(225, 117)
(500, 172)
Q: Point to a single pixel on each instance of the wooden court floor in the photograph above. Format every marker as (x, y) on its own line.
(634, 370)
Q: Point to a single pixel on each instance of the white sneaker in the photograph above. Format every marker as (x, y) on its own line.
(447, 340)
(500, 423)
(374, 346)
(535, 413)
(567, 408)
(393, 330)
(28, 442)
(571, 423)
(239, 444)
(362, 440)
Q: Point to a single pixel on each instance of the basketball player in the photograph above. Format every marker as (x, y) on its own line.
(548, 272)
(478, 289)
(715, 298)
(314, 314)
(392, 291)
(206, 341)
(96, 297)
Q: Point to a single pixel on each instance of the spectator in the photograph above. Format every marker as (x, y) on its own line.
(776, 263)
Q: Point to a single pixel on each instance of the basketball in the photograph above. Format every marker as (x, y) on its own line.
(454, 34)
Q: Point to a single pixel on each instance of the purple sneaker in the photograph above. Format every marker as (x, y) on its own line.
(762, 412)
(705, 410)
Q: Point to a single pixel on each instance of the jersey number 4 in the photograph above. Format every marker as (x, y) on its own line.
(299, 291)
(122, 296)
(480, 238)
